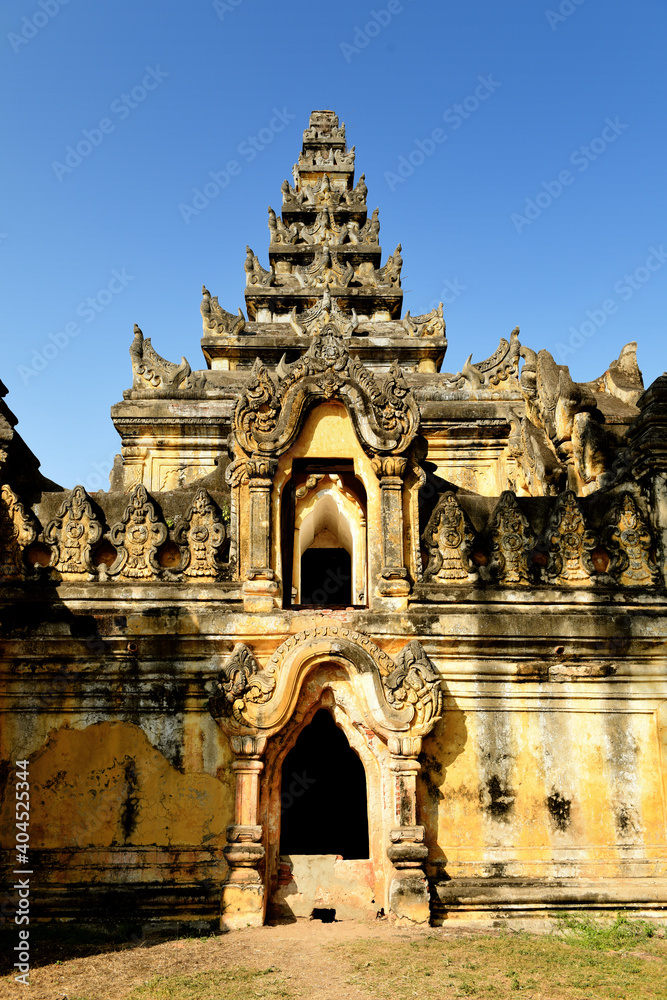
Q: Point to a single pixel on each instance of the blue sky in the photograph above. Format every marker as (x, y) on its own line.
(541, 204)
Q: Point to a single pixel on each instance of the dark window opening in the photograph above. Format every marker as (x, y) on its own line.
(323, 800)
(326, 577)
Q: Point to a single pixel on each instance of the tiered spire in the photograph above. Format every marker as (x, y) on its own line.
(324, 267)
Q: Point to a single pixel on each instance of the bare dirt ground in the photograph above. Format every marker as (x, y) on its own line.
(350, 960)
(302, 951)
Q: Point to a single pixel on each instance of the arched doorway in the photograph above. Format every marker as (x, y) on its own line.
(323, 798)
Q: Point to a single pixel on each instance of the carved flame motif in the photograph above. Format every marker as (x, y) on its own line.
(570, 544)
(200, 536)
(449, 538)
(138, 537)
(415, 682)
(241, 682)
(73, 532)
(511, 537)
(630, 543)
(17, 531)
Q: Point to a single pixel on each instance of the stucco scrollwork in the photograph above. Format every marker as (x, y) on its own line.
(399, 697)
(137, 536)
(272, 407)
(73, 533)
(17, 531)
(415, 682)
(240, 683)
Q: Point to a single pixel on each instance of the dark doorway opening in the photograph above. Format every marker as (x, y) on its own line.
(323, 800)
(326, 577)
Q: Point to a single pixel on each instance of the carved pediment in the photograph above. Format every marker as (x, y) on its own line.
(400, 697)
(570, 544)
(17, 531)
(272, 407)
(629, 542)
(449, 537)
(137, 537)
(511, 539)
(73, 533)
(200, 536)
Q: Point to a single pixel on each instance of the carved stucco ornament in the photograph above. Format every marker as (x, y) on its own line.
(570, 544)
(137, 538)
(629, 542)
(151, 371)
(398, 698)
(17, 531)
(240, 683)
(200, 535)
(511, 539)
(218, 320)
(271, 409)
(449, 537)
(73, 532)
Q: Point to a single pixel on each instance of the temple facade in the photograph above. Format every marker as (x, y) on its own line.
(347, 631)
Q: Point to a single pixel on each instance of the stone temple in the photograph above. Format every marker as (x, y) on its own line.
(346, 632)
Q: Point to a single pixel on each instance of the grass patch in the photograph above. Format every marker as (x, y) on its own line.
(507, 965)
(215, 984)
(620, 935)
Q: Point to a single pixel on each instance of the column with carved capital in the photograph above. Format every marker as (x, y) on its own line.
(394, 578)
(242, 897)
(260, 587)
(408, 892)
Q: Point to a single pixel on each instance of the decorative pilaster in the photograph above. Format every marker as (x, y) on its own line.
(390, 471)
(408, 891)
(242, 896)
(260, 586)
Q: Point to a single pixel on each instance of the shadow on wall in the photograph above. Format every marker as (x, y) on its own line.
(444, 744)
